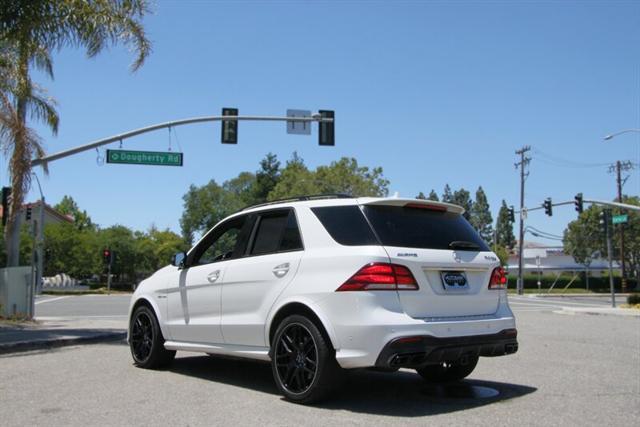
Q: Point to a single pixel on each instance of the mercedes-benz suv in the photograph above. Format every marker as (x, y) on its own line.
(318, 285)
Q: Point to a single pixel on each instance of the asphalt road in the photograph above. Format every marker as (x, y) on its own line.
(116, 306)
(570, 370)
(83, 306)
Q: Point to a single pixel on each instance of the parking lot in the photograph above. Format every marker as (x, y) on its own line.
(571, 369)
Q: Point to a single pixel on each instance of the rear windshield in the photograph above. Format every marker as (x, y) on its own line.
(422, 228)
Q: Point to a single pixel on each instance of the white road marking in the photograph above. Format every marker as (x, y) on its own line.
(51, 299)
(118, 316)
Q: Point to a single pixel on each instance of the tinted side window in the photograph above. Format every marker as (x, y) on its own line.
(220, 244)
(276, 232)
(291, 240)
(346, 225)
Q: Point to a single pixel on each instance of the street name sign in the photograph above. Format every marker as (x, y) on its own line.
(620, 219)
(155, 158)
(299, 128)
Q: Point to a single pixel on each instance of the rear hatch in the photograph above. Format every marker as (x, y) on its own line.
(450, 261)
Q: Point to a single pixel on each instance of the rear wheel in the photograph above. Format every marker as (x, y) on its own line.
(303, 361)
(449, 371)
(146, 341)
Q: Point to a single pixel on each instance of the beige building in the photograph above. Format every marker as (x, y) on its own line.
(51, 216)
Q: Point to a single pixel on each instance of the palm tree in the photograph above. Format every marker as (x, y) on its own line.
(29, 32)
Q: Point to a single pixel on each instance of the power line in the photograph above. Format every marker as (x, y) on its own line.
(559, 161)
(540, 233)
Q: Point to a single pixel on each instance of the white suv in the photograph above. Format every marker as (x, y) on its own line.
(320, 284)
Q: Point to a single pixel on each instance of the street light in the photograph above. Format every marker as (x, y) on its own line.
(613, 135)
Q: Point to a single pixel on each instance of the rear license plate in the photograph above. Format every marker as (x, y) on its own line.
(454, 280)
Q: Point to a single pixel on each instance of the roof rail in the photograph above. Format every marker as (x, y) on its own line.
(301, 199)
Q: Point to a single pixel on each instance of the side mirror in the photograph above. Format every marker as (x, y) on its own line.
(179, 259)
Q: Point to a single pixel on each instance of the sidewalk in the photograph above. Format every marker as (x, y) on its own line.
(57, 332)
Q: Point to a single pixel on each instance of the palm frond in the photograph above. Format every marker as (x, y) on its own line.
(42, 108)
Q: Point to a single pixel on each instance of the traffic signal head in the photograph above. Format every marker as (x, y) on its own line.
(548, 207)
(579, 203)
(229, 127)
(6, 194)
(28, 213)
(326, 130)
(512, 214)
(106, 256)
(605, 219)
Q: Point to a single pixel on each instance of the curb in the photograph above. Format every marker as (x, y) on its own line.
(602, 312)
(22, 346)
(583, 295)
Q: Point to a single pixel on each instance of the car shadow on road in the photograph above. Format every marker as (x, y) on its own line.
(400, 394)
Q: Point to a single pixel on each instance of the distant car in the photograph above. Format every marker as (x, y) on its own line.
(321, 284)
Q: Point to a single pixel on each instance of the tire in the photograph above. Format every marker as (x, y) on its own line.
(146, 341)
(303, 363)
(449, 371)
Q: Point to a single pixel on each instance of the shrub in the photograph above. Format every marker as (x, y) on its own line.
(633, 299)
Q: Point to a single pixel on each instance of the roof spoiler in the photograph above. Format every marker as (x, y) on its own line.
(413, 203)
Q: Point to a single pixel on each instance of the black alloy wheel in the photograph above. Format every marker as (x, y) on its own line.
(296, 358)
(303, 361)
(146, 341)
(141, 337)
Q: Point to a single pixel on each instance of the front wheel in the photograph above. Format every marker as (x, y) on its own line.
(449, 371)
(146, 341)
(303, 361)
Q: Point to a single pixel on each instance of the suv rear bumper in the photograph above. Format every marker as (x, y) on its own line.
(417, 351)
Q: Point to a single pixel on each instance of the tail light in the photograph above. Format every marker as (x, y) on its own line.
(498, 279)
(381, 276)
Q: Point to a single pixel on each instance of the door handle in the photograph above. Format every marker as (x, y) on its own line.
(281, 270)
(213, 276)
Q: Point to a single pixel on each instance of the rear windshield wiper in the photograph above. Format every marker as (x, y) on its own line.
(463, 244)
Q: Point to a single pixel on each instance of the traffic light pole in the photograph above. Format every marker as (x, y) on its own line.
(619, 183)
(609, 256)
(109, 277)
(116, 138)
(595, 202)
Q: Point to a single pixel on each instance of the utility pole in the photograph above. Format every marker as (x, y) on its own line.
(618, 167)
(522, 164)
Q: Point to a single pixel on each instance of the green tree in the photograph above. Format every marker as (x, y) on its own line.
(462, 198)
(204, 207)
(481, 216)
(433, 196)
(421, 196)
(584, 236)
(447, 196)
(503, 254)
(504, 228)
(267, 178)
(68, 206)
(344, 176)
(72, 251)
(347, 177)
(154, 249)
(29, 32)
(243, 187)
(121, 240)
(295, 180)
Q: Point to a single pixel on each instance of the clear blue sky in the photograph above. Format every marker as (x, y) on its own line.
(434, 92)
